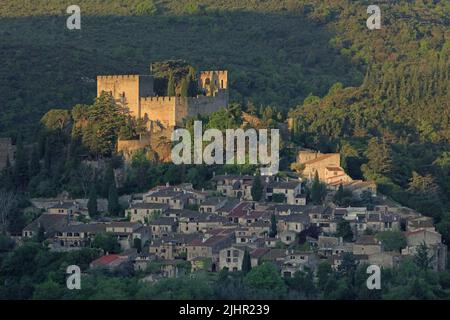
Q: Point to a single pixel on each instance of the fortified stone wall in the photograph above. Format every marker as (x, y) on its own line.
(160, 109)
(219, 80)
(126, 89)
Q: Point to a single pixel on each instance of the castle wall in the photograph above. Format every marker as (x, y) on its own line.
(160, 109)
(218, 78)
(126, 89)
(204, 105)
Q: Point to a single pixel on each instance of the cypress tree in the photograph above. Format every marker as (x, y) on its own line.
(92, 202)
(171, 86)
(246, 263)
(35, 166)
(257, 188)
(184, 87)
(273, 226)
(20, 166)
(317, 190)
(113, 201)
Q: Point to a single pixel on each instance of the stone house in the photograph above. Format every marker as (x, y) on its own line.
(144, 212)
(79, 235)
(51, 224)
(232, 257)
(287, 237)
(291, 191)
(233, 185)
(124, 232)
(367, 245)
(209, 246)
(293, 222)
(212, 205)
(163, 226)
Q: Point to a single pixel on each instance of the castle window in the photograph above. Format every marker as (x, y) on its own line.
(221, 84)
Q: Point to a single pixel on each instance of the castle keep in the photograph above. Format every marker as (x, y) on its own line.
(136, 94)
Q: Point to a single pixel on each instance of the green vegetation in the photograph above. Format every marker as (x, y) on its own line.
(274, 57)
(392, 240)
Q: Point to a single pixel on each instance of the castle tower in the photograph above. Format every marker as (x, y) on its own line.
(213, 81)
(127, 90)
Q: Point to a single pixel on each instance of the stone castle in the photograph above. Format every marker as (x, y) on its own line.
(136, 94)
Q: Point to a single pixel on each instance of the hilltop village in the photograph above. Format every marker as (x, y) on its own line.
(177, 229)
(297, 219)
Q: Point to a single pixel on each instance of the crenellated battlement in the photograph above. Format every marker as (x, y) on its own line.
(118, 77)
(136, 94)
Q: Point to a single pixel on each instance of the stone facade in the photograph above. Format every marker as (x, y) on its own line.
(135, 93)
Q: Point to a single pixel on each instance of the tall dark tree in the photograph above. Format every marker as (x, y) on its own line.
(20, 166)
(273, 226)
(184, 91)
(92, 202)
(113, 201)
(318, 190)
(171, 86)
(246, 263)
(35, 166)
(257, 188)
(422, 257)
(344, 230)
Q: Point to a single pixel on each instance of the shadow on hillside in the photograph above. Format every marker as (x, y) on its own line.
(276, 58)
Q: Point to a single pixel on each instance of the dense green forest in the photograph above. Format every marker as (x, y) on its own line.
(395, 127)
(274, 56)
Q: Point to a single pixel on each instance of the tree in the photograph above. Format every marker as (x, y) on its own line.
(137, 244)
(8, 201)
(344, 230)
(422, 257)
(246, 263)
(184, 91)
(105, 118)
(425, 195)
(40, 234)
(257, 188)
(379, 155)
(113, 200)
(146, 7)
(92, 202)
(20, 166)
(171, 85)
(107, 242)
(318, 190)
(35, 166)
(392, 240)
(273, 226)
(278, 197)
(342, 197)
(266, 279)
